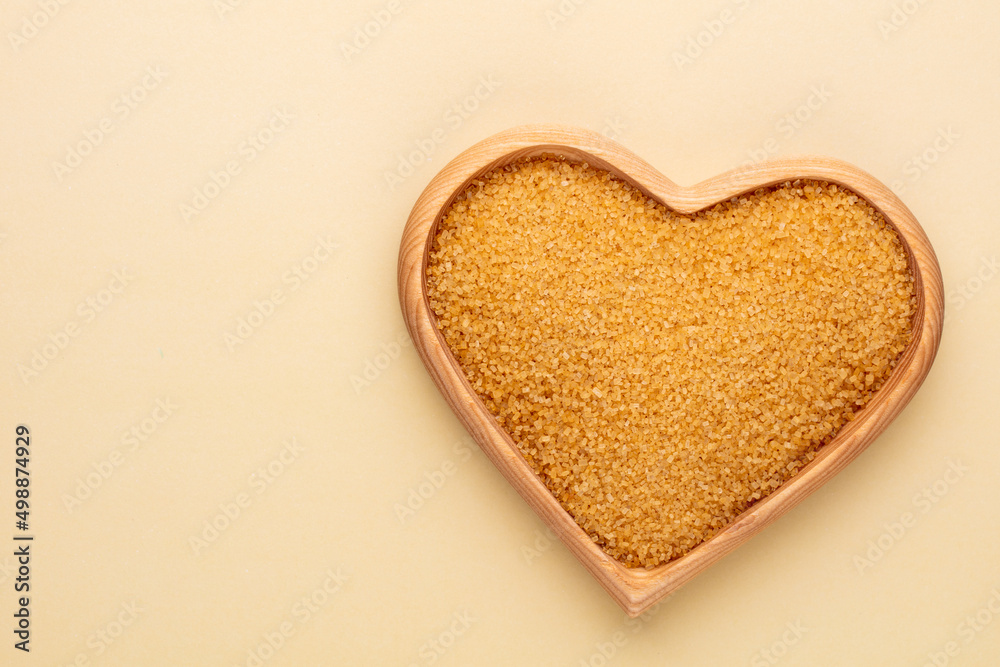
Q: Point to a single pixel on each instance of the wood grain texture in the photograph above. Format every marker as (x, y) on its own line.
(638, 589)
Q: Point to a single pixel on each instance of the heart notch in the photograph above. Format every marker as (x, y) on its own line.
(636, 589)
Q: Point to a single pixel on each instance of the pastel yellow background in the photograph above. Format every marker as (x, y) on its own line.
(215, 271)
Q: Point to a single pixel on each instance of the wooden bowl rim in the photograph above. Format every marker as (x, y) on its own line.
(637, 589)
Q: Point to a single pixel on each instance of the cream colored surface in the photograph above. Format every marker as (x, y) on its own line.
(325, 558)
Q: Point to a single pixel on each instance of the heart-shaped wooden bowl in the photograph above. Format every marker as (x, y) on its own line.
(636, 589)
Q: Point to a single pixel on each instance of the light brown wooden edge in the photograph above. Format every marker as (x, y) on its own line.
(636, 589)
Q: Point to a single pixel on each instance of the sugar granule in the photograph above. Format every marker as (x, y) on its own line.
(662, 372)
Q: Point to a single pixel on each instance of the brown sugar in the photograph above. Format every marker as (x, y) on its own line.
(662, 372)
